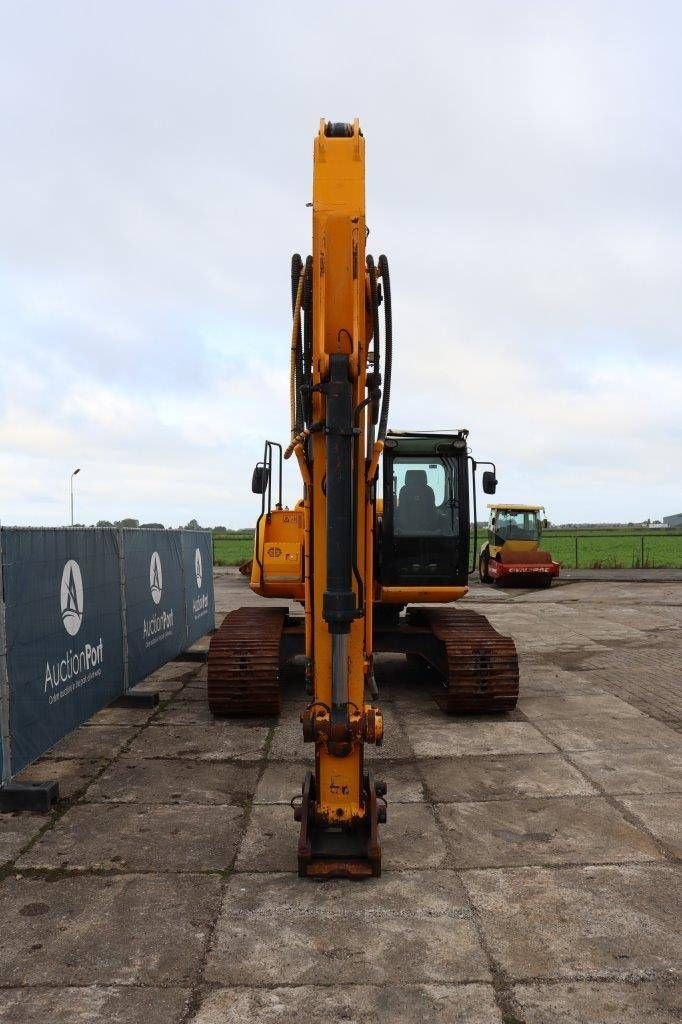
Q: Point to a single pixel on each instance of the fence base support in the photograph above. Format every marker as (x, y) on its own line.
(28, 796)
(192, 656)
(131, 699)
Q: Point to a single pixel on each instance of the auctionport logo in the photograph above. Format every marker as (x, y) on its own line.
(75, 668)
(155, 577)
(200, 603)
(72, 597)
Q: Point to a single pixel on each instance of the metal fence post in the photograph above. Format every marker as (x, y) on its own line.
(641, 564)
(576, 550)
(4, 681)
(124, 614)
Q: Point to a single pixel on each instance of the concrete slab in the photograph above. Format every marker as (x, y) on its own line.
(602, 732)
(283, 930)
(435, 735)
(160, 684)
(217, 742)
(411, 838)
(357, 1004)
(195, 694)
(576, 705)
(632, 771)
(579, 1002)
(450, 780)
(661, 814)
(287, 742)
(171, 671)
(122, 716)
(130, 780)
(16, 830)
(615, 922)
(547, 680)
(72, 775)
(282, 779)
(140, 837)
(111, 930)
(270, 840)
(94, 1004)
(97, 741)
(185, 712)
(563, 830)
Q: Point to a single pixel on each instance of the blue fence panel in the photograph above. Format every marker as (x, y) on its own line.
(197, 553)
(155, 600)
(63, 633)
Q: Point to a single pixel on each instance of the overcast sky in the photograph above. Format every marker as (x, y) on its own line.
(523, 177)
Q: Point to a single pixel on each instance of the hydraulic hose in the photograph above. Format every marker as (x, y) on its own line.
(388, 347)
(296, 415)
(306, 401)
(374, 304)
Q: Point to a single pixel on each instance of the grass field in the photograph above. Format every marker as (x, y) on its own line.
(232, 549)
(602, 549)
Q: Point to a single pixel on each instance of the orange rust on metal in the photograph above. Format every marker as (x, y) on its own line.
(243, 663)
(477, 666)
(483, 666)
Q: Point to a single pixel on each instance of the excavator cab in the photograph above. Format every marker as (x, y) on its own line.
(424, 535)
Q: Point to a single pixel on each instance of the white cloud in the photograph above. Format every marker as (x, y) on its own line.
(523, 177)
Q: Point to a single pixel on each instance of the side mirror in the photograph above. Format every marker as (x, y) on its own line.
(545, 524)
(260, 478)
(489, 482)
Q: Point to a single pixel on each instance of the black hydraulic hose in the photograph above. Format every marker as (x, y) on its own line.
(388, 348)
(296, 268)
(374, 303)
(307, 340)
(356, 463)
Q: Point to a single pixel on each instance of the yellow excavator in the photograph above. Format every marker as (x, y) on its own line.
(372, 563)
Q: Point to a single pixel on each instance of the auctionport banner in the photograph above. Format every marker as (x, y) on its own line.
(155, 600)
(63, 628)
(197, 554)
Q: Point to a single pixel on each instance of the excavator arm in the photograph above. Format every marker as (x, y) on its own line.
(339, 810)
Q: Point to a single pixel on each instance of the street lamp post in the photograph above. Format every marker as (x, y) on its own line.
(72, 476)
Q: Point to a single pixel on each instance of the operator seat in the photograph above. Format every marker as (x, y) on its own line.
(416, 512)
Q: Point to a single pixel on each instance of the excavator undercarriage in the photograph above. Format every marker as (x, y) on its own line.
(468, 667)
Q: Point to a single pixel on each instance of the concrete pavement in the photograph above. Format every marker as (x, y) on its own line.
(531, 861)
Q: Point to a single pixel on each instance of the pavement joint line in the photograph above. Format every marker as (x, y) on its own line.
(503, 991)
(395, 870)
(196, 995)
(633, 979)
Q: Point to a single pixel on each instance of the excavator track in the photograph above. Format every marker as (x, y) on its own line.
(481, 667)
(243, 663)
